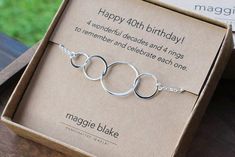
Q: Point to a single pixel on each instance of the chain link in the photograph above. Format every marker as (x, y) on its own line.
(169, 89)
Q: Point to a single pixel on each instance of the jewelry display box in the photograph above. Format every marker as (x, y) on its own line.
(55, 105)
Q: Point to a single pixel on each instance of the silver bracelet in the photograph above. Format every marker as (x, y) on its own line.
(134, 87)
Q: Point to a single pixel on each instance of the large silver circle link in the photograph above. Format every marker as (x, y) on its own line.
(130, 90)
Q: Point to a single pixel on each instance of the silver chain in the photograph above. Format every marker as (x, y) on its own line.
(134, 87)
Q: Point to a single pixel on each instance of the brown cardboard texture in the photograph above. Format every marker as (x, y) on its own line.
(54, 104)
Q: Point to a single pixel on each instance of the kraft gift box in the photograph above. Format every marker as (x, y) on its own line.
(55, 105)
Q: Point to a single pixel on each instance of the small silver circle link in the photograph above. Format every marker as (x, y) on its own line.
(78, 54)
(156, 90)
(131, 89)
(88, 60)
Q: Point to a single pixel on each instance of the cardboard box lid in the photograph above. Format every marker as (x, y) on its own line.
(220, 10)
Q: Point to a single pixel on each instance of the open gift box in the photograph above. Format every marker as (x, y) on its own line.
(55, 105)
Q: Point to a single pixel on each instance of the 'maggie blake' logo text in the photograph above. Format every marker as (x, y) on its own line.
(102, 128)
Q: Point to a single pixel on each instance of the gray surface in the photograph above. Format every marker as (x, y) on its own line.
(10, 49)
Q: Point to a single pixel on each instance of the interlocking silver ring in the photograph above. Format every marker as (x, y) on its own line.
(156, 90)
(78, 54)
(120, 93)
(134, 87)
(87, 64)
